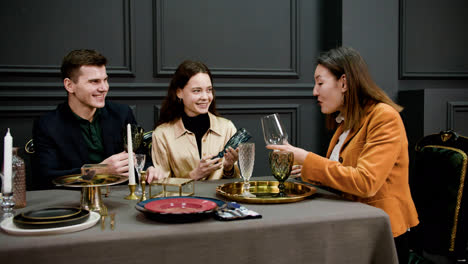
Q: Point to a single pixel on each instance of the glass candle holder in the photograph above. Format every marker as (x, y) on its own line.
(7, 198)
(7, 205)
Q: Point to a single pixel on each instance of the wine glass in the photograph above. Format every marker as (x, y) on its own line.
(246, 164)
(273, 131)
(137, 136)
(241, 136)
(139, 164)
(281, 163)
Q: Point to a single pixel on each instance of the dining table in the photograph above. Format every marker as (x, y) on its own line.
(323, 228)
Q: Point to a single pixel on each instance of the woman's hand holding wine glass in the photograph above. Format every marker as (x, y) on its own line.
(273, 131)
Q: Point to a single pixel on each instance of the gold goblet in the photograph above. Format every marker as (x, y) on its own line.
(281, 163)
(137, 136)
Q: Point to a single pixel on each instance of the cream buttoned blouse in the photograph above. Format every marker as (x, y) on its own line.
(175, 152)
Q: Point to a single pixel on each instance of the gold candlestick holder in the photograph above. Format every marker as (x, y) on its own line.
(172, 187)
(132, 195)
(143, 186)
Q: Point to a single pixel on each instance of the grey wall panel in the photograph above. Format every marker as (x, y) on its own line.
(248, 116)
(457, 117)
(262, 34)
(262, 54)
(40, 33)
(433, 39)
(430, 111)
(435, 107)
(19, 119)
(371, 27)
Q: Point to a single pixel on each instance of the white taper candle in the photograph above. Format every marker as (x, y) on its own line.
(7, 162)
(131, 170)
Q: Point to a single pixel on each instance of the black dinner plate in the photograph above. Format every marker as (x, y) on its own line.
(51, 217)
(53, 213)
(178, 218)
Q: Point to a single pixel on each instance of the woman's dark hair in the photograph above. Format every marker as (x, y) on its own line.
(72, 62)
(362, 90)
(172, 108)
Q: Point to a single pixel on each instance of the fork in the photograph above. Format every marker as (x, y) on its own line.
(103, 210)
(103, 222)
(112, 223)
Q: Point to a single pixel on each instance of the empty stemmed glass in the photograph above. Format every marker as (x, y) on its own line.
(246, 164)
(139, 164)
(273, 131)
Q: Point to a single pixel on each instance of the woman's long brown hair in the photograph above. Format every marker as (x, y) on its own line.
(172, 108)
(362, 90)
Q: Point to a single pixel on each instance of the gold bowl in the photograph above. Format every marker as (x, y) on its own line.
(265, 192)
(90, 190)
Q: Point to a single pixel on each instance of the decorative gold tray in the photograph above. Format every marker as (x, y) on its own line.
(266, 192)
(98, 180)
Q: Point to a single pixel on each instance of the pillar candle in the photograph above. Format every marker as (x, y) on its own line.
(131, 170)
(7, 162)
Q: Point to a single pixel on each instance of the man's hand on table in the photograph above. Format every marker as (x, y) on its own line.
(117, 163)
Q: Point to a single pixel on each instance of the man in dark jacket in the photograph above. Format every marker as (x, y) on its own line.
(84, 129)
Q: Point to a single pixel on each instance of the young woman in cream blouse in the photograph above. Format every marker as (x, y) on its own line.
(190, 132)
(367, 157)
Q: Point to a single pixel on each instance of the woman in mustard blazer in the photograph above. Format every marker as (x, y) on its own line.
(367, 158)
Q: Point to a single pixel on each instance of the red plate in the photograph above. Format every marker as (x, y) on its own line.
(180, 206)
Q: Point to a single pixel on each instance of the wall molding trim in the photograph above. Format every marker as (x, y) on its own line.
(25, 110)
(452, 108)
(156, 111)
(161, 70)
(266, 109)
(16, 90)
(404, 48)
(122, 70)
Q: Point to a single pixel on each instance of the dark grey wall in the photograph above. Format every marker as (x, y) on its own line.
(416, 51)
(261, 54)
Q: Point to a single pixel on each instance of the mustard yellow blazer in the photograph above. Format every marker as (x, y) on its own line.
(372, 168)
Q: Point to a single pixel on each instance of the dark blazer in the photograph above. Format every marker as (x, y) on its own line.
(60, 148)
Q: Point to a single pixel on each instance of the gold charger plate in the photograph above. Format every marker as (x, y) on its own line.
(266, 192)
(98, 180)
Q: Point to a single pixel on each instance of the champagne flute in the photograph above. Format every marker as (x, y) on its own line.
(273, 131)
(281, 163)
(139, 164)
(246, 164)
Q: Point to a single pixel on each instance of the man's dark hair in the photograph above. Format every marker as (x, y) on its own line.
(75, 59)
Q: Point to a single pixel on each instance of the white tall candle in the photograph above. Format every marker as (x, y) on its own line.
(131, 170)
(7, 162)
